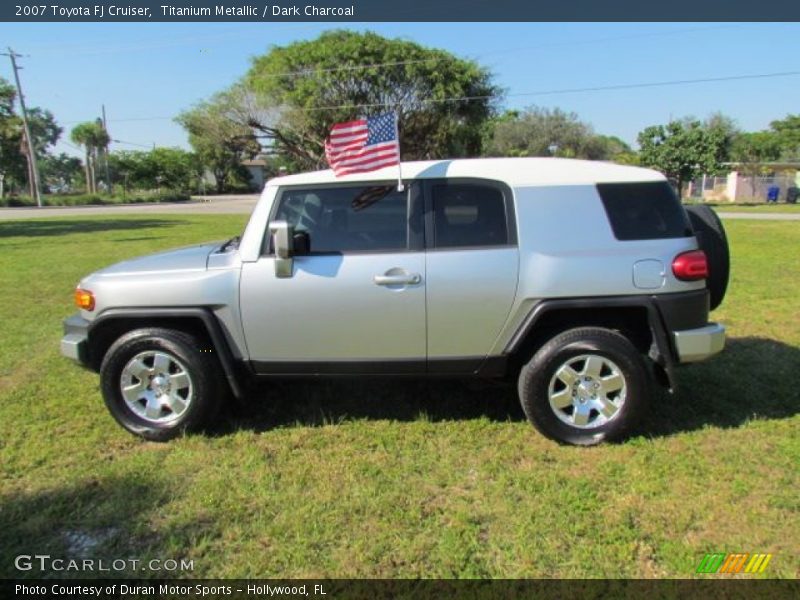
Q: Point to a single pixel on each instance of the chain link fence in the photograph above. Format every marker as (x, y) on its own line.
(758, 188)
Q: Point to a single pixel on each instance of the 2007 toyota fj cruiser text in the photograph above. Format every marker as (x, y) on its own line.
(584, 280)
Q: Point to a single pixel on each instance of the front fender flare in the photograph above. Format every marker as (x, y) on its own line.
(219, 337)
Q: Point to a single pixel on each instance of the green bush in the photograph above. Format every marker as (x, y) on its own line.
(17, 201)
(136, 197)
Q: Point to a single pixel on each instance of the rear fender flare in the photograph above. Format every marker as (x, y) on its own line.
(665, 352)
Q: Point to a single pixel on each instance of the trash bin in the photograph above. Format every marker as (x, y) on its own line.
(772, 193)
(791, 195)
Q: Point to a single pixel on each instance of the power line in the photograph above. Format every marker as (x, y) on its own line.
(304, 72)
(152, 44)
(624, 86)
(661, 83)
(130, 143)
(602, 88)
(632, 36)
(115, 141)
(125, 120)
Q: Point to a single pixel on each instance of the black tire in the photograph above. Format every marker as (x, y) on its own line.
(205, 376)
(535, 379)
(713, 241)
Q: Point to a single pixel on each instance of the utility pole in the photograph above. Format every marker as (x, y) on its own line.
(108, 174)
(29, 140)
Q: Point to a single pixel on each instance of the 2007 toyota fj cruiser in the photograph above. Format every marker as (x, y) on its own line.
(584, 280)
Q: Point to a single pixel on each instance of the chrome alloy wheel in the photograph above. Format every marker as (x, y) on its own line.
(156, 386)
(587, 391)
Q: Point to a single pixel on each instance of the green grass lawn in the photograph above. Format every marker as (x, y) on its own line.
(395, 479)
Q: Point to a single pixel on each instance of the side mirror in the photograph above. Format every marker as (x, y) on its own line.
(282, 237)
(301, 243)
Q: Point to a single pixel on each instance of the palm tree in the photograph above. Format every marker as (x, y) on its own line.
(93, 137)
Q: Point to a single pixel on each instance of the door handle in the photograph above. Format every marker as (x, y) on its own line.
(406, 279)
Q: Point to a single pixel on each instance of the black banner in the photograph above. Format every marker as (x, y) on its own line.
(405, 11)
(718, 588)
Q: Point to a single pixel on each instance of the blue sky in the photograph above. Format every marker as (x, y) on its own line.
(147, 73)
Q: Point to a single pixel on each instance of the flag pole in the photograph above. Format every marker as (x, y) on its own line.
(400, 186)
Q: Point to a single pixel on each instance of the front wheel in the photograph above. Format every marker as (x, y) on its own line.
(157, 383)
(584, 386)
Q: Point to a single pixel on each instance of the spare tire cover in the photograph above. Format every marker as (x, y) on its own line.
(712, 240)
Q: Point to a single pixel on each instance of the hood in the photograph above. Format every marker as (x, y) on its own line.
(192, 258)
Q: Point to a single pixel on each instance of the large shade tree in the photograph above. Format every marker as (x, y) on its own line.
(221, 144)
(787, 134)
(681, 150)
(171, 168)
(753, 152)
(538, 131)
(724, 130)
(60, 172)
(292, 95)
(9, 125)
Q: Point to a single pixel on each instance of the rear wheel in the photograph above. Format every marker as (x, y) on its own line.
(158, 384)
(711, 237)
(584, 386)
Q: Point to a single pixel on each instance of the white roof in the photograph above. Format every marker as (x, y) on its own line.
(516, 172)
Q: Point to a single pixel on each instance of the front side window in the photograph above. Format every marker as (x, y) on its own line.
(468, 215)
(341, 219)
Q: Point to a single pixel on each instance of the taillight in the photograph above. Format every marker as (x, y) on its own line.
(690, 266)
(84, 299)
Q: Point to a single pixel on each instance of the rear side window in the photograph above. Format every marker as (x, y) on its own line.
(644, 210)
(468, 215)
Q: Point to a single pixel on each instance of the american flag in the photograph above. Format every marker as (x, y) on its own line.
(363, 145)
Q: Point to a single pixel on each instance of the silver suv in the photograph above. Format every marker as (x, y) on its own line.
(585, 281)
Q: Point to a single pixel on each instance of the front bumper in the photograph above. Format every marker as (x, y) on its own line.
(698, 344)
(75, 344)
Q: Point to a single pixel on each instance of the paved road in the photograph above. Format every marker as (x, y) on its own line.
(241, 204)
(209, 205)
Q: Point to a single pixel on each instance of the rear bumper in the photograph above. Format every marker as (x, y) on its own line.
(74, 344)
(693, 345)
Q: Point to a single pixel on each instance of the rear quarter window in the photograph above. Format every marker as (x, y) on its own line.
(644, 211)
